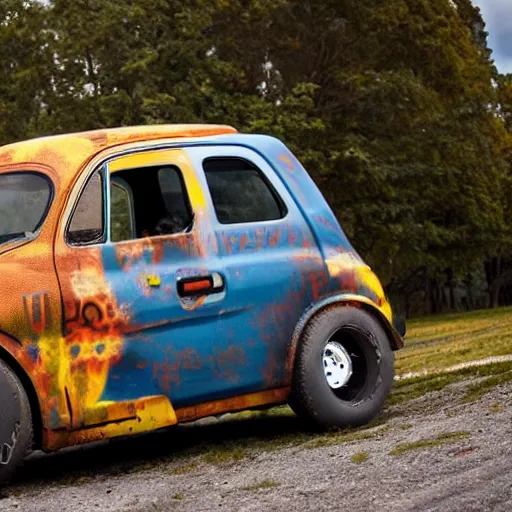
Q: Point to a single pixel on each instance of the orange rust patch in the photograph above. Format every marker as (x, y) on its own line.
(67, 154)
(168, 374)
(93, 325)
(227, 363)
(239, 403)
(129, 254)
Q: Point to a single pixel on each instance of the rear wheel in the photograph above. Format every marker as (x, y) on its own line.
(15, 423)
(344, 369)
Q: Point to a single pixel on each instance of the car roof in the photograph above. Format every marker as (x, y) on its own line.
(67, 154)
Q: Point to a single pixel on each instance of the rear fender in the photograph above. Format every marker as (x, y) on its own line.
(395, 340)
(11, 352)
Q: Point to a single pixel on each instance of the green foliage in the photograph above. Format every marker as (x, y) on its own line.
(390, 105)
(359, 457)
(440, 440)
(25, 67)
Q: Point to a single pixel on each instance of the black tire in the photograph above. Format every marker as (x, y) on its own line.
(15, 423)
(363, 396)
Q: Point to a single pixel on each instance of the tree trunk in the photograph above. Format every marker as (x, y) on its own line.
(493, 276)
(428, 295)
(435, 297)
(469, 291)
(494, 294)
(451, 289)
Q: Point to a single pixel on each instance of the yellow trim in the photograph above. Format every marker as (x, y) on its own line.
(120, 418)
(176, 157)
(151, 413)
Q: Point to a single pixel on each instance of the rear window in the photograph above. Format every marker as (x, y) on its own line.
(240, 192)
(24, 202)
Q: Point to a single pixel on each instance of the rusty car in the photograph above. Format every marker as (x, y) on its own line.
(156, 275)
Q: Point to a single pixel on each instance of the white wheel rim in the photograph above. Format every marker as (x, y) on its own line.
(337, 365)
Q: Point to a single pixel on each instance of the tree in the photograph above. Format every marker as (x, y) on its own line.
(498, 266)
(411, 147)
(25, 67)
(394, 107)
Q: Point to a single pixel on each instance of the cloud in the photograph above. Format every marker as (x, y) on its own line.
(498, 18)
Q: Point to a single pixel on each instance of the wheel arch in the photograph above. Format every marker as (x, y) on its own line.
(30, 390)
(394, 339)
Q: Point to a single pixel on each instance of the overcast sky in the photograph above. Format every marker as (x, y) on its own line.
(498, 17)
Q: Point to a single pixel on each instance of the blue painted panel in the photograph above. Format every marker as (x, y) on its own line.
(164, 337)
(233, 342)
(274, 271)
(238, 341)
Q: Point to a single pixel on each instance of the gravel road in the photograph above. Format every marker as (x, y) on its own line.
(471, 471)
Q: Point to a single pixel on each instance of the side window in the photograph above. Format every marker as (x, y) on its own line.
(175, 197)
(149, 201)
(240, 192)
(87, 222)
(24, 202)
(121, 211)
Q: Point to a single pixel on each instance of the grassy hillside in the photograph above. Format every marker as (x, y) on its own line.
(436, 343)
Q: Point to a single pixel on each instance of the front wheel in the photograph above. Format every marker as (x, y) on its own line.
(15, 423)
(344, 369)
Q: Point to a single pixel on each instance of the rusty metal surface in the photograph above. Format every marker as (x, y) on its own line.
(101, 331)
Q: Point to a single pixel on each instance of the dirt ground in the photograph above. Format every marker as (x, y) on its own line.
(432, 453)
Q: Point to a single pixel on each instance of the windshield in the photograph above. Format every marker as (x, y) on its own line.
(24, 201)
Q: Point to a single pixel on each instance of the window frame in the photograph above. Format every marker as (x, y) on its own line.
(186, 199)
(157, 168)
(283, 207)
(121, 183)
(101, 171)
(107, 176)
(51, 197)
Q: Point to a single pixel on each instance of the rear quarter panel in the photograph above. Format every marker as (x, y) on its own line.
(30, 307)
(349, 278)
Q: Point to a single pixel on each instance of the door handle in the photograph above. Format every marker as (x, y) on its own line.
(200, 285)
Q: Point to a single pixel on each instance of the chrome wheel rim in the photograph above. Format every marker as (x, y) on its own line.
(337, 365)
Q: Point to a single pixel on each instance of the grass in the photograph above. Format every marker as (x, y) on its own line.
(495, 408)
(359, 457)
(439, 342)
(180, 496)
(181, 470)
(226, 455)
(347, 436)
(265, 484)
(477, 390)
(414, 388)
(442, 439)
(241, 448)
(408, 389)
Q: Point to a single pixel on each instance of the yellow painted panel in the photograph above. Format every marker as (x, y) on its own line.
(175, 157)
(143, 415)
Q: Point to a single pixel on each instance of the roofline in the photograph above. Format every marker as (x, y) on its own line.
(129, 133)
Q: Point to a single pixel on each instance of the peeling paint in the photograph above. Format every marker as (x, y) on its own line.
(102, 332)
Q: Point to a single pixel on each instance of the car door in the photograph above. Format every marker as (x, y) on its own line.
(271, 262)
(142, 296)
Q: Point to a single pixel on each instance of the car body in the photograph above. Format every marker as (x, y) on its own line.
(113, 326)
